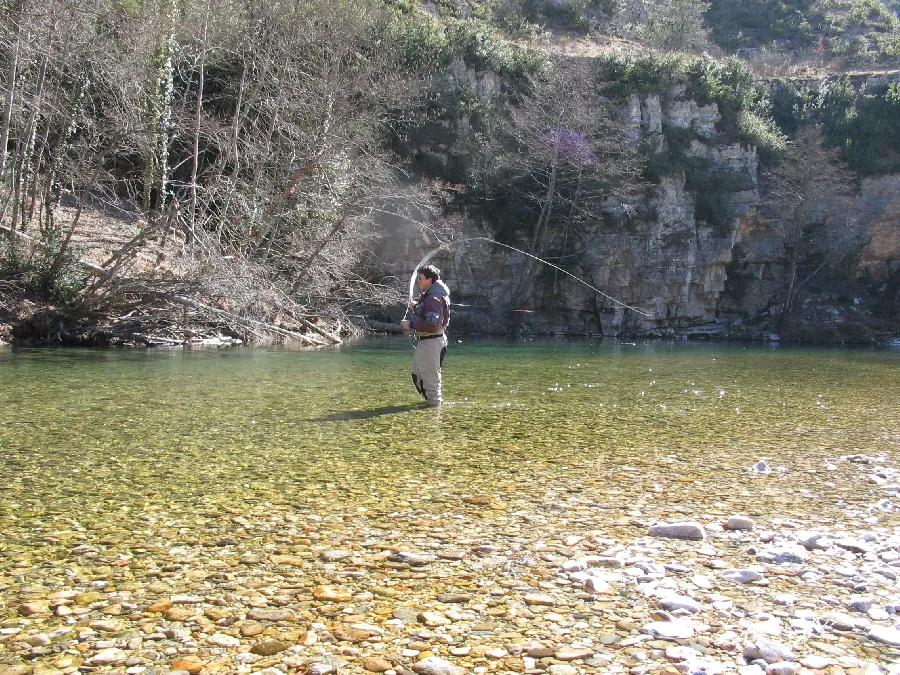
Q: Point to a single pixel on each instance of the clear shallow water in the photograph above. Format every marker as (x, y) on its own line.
(92, 440)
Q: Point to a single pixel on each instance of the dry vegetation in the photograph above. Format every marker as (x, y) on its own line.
(194, 170)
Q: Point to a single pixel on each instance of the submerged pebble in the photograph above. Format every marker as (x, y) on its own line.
(503, 562)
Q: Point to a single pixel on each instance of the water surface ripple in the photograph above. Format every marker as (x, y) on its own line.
(115, 457)
(99, 431)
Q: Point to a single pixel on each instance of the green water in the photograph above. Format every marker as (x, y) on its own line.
(93, 438)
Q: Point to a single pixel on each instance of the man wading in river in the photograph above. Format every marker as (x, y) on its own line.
(431, 314)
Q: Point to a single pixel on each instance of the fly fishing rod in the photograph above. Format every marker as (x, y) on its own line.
(448, 246)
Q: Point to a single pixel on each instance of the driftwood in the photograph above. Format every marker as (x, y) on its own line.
(257, 328)
(385, 327)
(313, 327)
(241, 321)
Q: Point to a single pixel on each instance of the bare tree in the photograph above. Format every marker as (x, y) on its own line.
(562, 155)
(816, 217)
(676, 25)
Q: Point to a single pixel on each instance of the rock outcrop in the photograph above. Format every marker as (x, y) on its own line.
(687, 270)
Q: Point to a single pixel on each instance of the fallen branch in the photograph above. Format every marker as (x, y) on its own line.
(313, 327)
(384, 326)
(188, 302)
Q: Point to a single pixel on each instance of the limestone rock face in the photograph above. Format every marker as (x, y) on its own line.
(881, 255)
(669, 256)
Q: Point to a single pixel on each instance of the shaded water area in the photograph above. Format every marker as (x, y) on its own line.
(146, 473)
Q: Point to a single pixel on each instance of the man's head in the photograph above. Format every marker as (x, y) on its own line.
(427, 275)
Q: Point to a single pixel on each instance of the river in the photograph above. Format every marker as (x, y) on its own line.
(117, 465)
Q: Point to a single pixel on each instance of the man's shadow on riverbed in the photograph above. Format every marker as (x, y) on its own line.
(368, 414)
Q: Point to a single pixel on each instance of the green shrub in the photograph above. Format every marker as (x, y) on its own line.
(872, 13)
(862, 124)
(744, 106)
(649, 73)
(729, 83)
(757, 23)
(483, 49)
(762, 132)
(789, 106)
(40, 269)
(423, 43)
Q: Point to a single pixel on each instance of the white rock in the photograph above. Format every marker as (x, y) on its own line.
(368, 628)
(843, 622)
(107, 657)
(334, 555)
(680, 653)
(675, 602)
(785, 599)
(708, 667)
(671, 630)
(740, 523)
(804, 626)
(888, 635)
(436, 666)
(604, 561)
(781, 668)
(812, 540)
(761, 467)
(767, 650)
(701, 581)
(742, 576)
(771, 626)
(596, 585)
(751, 670)
(816, 662)
(562, 669)
(683, 530)
(39, 640)
(186, 599)
(223, 640)
(878, 614)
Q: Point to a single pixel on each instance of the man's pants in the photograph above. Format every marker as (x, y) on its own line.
(426, 373)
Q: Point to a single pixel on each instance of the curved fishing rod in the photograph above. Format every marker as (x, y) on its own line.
(450, 245)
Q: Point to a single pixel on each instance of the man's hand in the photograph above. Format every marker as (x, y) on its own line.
(405, 324)
(412, 305)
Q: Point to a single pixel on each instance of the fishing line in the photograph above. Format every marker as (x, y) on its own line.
(450, 245)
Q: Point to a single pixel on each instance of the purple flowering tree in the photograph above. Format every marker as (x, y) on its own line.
(564, 154)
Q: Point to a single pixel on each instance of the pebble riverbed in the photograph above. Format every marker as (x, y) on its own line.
(478, 582)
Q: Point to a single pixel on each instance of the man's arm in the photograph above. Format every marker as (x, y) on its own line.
(431, 321)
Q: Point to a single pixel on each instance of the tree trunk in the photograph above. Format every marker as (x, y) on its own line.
(526, 277)
(27, 143)
(64, 246)
(789, 296)
(198, 111)
(12, 69)
(300, 276)
(236, 127)
(566, 233)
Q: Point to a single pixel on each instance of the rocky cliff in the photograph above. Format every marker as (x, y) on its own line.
(699, 260)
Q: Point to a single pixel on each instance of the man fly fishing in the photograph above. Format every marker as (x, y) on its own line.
(430, 316)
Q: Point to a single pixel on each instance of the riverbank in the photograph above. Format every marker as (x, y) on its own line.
(477, 585)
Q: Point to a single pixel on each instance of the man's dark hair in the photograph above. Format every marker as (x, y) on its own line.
(430, 272)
